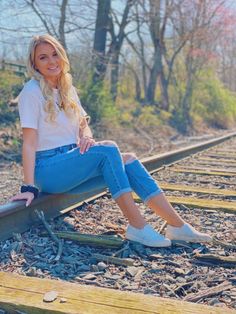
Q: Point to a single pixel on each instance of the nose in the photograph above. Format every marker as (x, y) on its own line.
(52, 60)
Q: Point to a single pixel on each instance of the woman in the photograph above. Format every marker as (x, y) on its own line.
(60, 154)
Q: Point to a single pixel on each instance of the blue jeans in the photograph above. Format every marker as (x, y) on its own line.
(65, 170)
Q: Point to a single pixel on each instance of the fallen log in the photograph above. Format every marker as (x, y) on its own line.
(209, 292)
(107, 241)
(224, 244)
(217, 259)
(114, 260)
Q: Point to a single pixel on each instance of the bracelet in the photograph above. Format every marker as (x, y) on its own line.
(30, 188)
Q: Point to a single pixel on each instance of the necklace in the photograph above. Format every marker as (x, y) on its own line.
(59, 105)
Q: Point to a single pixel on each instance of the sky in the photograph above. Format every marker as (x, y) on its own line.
(18, 24)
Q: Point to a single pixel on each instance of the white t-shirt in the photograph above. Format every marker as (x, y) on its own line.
(32, 115)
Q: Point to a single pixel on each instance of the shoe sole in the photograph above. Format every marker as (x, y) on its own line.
(150, 245)
(192, 240)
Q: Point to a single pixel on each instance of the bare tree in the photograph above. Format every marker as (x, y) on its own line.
(157, 15)
(115, 45)
(202, 18)
(100, 38)
(47, 21)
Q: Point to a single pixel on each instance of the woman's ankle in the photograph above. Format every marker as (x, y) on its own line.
(138, 224)
(176, 225)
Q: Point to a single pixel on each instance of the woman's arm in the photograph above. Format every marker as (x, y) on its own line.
(85, 136)
(28, 156)
(84, 129)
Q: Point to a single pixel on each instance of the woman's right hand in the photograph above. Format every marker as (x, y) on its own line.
(28, 196)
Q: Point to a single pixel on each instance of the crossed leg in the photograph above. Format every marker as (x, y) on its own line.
(159, 203)
(138, 230)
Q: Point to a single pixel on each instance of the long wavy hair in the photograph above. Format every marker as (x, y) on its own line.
(64, 85)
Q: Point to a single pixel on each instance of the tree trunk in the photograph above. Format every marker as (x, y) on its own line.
(62, 23)
(157, 31)
(137, 89)
(186, 106)
(99, 46)
(155, 72)
(164, 93)
(114, 73)
(115, 47)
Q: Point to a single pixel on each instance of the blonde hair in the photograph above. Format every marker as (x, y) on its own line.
(67, 103)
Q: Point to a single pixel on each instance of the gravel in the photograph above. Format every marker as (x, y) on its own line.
(167, 272)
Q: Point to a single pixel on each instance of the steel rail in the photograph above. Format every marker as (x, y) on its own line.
(15, 217)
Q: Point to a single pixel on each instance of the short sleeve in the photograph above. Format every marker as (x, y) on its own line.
(29, 109)
(76, 97)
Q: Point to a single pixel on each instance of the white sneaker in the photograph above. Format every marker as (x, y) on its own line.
(186, 233)
(147, 236)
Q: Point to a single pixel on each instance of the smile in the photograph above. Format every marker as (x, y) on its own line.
(54, 68)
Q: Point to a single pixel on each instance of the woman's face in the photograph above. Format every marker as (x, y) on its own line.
(47, 61)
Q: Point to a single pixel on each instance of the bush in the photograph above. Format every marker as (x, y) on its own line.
(98, 102)
(10, 87)
(214, 105)
(150, 117)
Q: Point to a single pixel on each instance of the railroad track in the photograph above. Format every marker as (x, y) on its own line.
(214, 170)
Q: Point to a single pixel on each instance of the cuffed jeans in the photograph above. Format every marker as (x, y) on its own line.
(65, 170)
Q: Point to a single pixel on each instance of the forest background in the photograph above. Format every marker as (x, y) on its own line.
(142, 65)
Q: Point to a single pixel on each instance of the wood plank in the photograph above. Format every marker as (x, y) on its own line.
(202, 172)
(229, 207)
(224, 151)
(208, 180)
(210, 159)
(203, 163)
(190, 188)
(233, 157)
(232, 171)
(26, 294)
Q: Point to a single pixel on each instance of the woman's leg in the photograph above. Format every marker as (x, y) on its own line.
(161, 206)
(65, 171)
(146, 187)
(158, 203)
(148, 190)
(130, 210)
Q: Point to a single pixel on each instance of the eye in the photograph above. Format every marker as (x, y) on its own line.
(42, 58)
(55, 54)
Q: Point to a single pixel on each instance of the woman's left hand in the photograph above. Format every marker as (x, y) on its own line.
(85, 143)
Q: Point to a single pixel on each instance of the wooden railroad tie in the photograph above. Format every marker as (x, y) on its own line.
(190, 188)
(204, 172)
(27, 294)
(201, 163)
(228, 151)
(219, 156)
(210, 159)
(228, 207)
(205, 168)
